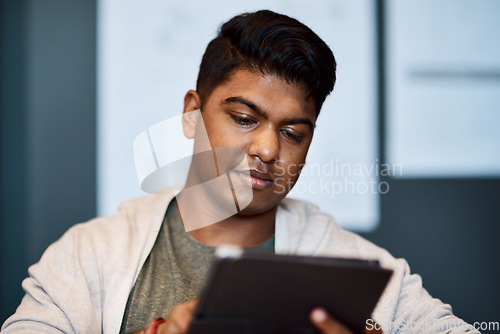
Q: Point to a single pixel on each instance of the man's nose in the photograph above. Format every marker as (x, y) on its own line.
(265, 144)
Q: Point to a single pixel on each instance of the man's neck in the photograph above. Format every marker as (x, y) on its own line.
(238, 230)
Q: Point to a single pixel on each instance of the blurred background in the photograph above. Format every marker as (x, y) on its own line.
(418, 87)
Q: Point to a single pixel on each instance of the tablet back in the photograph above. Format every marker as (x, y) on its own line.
(267, 293)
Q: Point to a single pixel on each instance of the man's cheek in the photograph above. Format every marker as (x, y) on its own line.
(293, 171)
(287, 181)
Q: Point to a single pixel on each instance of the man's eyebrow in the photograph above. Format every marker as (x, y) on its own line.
(249, 104)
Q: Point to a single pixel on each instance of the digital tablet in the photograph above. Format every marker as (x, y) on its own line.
(262, 293)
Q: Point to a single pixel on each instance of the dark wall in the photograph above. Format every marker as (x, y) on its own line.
(447, 230)
(12, 158)
(48, 137)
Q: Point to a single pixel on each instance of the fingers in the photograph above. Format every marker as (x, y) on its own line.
(326, 323)
(179, 319)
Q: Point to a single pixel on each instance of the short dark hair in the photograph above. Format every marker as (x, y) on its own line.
(269, 43)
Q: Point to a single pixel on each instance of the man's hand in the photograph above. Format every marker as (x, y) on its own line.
(179, 319)
(326, 323)
(329, 325)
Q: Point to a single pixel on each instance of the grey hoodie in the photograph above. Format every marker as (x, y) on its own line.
(82, 282)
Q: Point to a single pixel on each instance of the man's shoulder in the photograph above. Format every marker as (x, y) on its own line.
(135, 221)
(136, 212)
(320, 230)
(106, 241)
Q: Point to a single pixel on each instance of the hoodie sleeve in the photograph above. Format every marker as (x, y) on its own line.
(82, 281)
(418, 312)
(58, 293)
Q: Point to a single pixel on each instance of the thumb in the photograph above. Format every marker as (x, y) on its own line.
(326, 323)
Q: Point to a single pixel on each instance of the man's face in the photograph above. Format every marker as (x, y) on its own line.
(272, 122)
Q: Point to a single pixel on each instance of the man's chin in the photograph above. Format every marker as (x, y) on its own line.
(260, 204)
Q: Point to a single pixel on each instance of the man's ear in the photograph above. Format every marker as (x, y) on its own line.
(192, 102)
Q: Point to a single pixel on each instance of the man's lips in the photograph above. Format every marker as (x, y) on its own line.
(261, 175)
(256, 179)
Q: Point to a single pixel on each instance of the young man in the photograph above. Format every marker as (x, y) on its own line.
(261, 85)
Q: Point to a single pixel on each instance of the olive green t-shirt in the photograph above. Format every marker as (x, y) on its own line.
(174, 272)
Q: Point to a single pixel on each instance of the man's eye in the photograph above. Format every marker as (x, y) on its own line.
(242, 121)
(292, 136)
